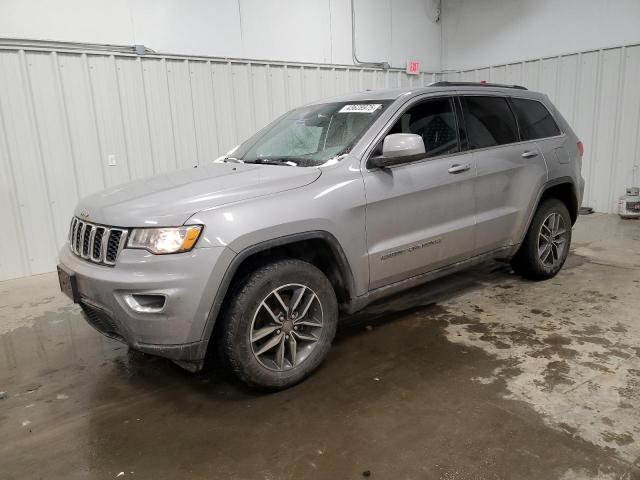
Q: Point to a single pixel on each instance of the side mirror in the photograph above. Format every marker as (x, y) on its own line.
(399, 148)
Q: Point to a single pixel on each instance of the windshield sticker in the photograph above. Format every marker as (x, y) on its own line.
(361, 108)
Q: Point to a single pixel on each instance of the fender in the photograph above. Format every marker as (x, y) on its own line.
(336, 248)
(546, 186)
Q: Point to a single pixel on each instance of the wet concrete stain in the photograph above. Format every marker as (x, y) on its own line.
(619, 438)
(556, 373)
(591, 329)
(476, 386)
(129, 412)
(619, 327)
(631, 390)
(596, 340)
(574, 359)
(596, 366)
(557, 340)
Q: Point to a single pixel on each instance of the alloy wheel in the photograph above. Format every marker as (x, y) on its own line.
(552, 240)
(286, 327)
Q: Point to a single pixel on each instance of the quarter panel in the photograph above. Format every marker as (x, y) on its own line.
(566, 162)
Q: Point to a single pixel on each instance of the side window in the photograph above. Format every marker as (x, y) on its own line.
(534, 119)
(435, 122)
(489, 121)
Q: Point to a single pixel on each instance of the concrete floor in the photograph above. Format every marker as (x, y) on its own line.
(500, 378)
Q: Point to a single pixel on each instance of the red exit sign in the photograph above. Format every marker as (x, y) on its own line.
(413, 67)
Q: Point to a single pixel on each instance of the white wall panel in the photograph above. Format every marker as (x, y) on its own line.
(12, 254)
(133, 107)
(262, 109)
(627, 145)
(242, 94)
(105, 97)
(57, 161)
(25, 162)
(81, 122)
(160, 120)
(64, 113)
(532, 74)
(224, 104)
(498, 74)
(567, 76)
(606, 131)
(181, 101)
(293, 85)
(515, 73)
(597, 92)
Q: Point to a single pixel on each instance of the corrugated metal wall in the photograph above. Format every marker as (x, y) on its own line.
(598, 93)
(63, 113)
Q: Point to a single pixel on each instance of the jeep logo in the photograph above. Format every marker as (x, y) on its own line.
(84, 214)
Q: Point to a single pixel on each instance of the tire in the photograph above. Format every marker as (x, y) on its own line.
(538, 259)
(256, 318)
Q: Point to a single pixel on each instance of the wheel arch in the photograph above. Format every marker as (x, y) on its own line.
(318, 247)
(562, 188)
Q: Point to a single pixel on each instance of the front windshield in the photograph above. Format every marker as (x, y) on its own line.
(309, 136)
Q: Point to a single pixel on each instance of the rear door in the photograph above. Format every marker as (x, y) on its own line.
(536, 123)
(510, 171)
(420, 215)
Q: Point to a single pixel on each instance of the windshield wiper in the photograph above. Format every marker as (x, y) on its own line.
(275, 161)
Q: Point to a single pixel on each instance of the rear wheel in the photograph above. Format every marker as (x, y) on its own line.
(546, 245)
(280, 324)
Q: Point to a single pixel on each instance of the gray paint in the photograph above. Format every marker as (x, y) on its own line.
(396, 226)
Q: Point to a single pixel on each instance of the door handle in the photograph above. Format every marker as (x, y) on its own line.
(457, 168)
(529, 154)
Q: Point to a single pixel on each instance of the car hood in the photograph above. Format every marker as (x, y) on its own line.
(170, 199)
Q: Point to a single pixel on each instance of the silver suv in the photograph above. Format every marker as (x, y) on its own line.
(330, 207)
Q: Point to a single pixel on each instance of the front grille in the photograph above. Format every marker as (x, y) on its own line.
(101, 321)
(97, 243)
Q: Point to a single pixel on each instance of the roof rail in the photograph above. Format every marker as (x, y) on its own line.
(475, 84)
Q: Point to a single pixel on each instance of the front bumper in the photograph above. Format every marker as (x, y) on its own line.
(189, 281)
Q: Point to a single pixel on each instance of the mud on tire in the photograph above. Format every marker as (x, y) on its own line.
(279, 324)
(546, 244)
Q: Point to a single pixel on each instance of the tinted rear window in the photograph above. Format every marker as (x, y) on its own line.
(489, 121)
(534, 119)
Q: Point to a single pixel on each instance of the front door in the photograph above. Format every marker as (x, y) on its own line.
(420, 215)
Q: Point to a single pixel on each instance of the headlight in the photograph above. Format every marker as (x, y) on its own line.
(165, 240)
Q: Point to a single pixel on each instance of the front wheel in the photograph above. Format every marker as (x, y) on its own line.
(546, 245)
(280, 324)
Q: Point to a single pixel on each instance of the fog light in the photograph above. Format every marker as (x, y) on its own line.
(145, 303)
